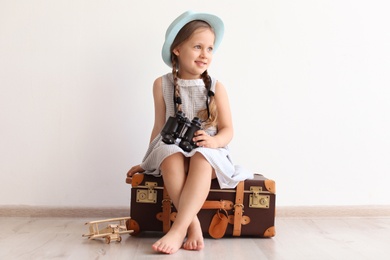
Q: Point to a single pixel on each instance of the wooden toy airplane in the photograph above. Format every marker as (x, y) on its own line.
(112, 231)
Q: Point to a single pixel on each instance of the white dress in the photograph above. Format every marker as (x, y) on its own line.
(193, 95)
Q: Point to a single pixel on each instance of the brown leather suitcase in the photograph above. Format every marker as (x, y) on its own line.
(247, 210)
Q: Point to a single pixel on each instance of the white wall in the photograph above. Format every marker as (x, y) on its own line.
(308, 83)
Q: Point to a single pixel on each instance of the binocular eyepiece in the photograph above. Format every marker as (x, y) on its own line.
(181, 127)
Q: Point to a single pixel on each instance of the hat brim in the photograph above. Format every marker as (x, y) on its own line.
(214, 21)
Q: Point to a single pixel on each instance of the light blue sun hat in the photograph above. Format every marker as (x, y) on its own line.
(215, 22)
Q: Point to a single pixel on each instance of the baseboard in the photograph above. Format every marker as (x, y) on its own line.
(281, 212)
(70, 212)
(333, 211)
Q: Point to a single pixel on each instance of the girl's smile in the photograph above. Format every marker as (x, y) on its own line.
(201, 63)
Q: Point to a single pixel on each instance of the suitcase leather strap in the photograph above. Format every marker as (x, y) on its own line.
(166, 211)
(238, 209)
(218, 204)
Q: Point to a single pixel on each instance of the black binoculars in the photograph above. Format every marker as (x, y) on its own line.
(181, 127)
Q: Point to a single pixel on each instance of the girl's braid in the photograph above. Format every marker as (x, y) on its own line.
(206, 78)
(176, 87)
(212, 120)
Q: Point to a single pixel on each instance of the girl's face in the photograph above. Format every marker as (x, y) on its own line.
(195, 54)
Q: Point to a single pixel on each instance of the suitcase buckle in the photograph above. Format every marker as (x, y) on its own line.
(147, 195)
(257, 200)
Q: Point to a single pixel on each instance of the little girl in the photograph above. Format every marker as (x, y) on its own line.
(187, 171)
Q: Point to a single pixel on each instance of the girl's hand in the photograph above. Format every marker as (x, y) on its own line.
(202, 139)
(135, 169)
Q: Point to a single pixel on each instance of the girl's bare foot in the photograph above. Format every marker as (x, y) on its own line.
(195, 237)
(170, 243)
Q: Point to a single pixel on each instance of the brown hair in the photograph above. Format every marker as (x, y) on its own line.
(182, 36)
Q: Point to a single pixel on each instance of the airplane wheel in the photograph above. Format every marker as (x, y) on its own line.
(108, 239)
(119, 239)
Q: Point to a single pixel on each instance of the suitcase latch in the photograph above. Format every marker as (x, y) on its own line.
(257, 200)
(148, 195)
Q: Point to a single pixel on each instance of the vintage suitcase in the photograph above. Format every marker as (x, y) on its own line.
(247, 210)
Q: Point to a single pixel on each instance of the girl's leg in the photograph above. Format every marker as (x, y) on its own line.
(174, 172)
(199, 168)
(189, 201)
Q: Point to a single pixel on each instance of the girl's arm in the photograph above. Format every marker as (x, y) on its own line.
(225, 125)
(159, 118)
(159, 108)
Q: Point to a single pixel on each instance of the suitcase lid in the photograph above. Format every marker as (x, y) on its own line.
(258, 180)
